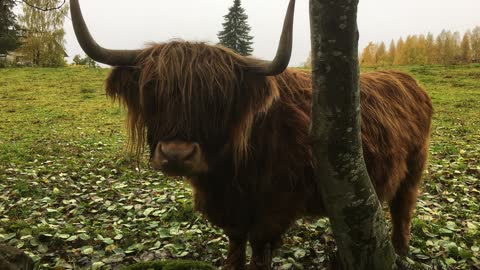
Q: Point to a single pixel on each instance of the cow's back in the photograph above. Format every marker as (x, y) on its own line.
(396, 114)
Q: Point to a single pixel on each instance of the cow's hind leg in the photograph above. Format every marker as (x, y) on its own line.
(403, 203)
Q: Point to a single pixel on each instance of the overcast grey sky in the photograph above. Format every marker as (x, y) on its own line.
(131, 24)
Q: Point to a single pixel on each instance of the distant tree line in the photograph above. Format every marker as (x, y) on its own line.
(446, 49)
(87, 61)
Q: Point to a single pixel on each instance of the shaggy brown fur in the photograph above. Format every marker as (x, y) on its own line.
(254, 133)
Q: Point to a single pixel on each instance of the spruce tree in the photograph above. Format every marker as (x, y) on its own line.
(9, 37)
(236, 31)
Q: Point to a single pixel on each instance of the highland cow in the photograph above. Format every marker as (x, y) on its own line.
(237, 129)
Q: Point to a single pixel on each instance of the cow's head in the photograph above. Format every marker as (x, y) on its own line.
(193, 103)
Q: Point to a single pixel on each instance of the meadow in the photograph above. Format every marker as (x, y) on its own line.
(72, 196)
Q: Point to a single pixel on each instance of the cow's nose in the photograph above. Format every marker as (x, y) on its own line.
(178, 152)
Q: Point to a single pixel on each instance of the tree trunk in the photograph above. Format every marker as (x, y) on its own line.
(355, 213)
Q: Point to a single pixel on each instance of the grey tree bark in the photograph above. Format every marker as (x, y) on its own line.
(353, 208)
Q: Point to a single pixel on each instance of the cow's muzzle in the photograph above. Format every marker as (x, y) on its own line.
(177, 158)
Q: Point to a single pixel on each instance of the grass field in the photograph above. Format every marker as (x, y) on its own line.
(72, 197)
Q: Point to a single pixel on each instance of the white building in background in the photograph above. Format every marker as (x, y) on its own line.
(19, 59)
(15, 58)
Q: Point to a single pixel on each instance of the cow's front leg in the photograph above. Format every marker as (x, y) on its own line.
(236, 251)
(261, 256)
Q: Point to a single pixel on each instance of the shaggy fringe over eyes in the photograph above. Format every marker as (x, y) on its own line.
(192, 91)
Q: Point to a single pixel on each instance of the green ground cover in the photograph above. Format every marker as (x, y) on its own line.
(71, 196)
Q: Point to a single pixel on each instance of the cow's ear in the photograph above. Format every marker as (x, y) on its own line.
(255, 97)
(258, 93)
(122, 85)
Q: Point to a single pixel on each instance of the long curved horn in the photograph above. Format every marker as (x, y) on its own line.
(91, 47)
(284, 51)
